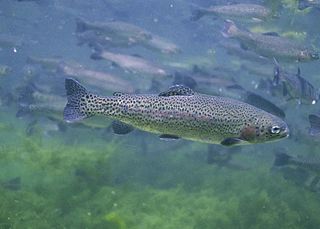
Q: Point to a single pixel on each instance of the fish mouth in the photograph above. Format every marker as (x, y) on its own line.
(285, 133)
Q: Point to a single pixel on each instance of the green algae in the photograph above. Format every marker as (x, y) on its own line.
(98, 183)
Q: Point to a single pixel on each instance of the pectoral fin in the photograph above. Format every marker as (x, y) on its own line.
(168, 137)
(231, 141)
(121, 128)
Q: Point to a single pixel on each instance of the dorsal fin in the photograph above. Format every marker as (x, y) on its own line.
(178, 90)
(118, 93)
(121, 128)
(298, 72)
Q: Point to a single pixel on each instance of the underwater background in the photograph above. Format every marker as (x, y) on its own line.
(55, 174)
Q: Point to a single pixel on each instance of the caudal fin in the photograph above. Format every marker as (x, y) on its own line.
(197, 13)
(81, 25)
(77, 105)
(314, 121)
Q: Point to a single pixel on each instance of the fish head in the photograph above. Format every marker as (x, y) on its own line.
(264, 129)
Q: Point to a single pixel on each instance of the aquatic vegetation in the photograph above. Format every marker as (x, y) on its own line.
(54, 174)
(69, 186)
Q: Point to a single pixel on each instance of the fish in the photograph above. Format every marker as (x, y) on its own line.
(179, 112)
(114, 30)
(270, 44)
(50, 64)
(239, 11)
(36, 104)
(93, 39)
(223, 157)
(303, 4)
(283, 159)
(295, 86)
(249, 55)
(314, 121)
(10, 41)
(101, 80)
(13, 184)
(130, 63)
(5, 70)
(160, 44)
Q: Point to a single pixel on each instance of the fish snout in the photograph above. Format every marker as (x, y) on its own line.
(284, 132)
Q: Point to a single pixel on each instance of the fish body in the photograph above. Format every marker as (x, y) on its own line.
(115, 30)
(283, 159)
(46, 63)
(179, 112)
(269, 44)
(9, 41)
(158, 43)
(97, 79)
(314, 120)
(295, 86)
(93, 38)
(131, 63)
(241, 10)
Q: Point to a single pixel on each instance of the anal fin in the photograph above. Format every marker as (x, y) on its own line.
(231, 141)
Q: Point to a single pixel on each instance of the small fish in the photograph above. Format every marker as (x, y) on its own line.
(101, 80)
(283, 159)
(264, 104)
(179, 112)
(10, 41)
(269, 44)
(5, 70)
(314, 121)
(235, 49)
(158, 43)
(50, 64)
(303, 4)
(115, 30)
(45, 110)
(295, 86)
(223, 157)
(13, 184)
(133, 64)
(239, 11)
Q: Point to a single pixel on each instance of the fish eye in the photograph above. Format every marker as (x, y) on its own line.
(275, 130)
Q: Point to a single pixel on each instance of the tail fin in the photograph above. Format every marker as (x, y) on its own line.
(314, 121)
(77, 106)
(81, 25)
(197, 13)
(281, 159)
(97, 54)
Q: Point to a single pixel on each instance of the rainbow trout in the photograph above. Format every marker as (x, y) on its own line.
(270, 44)
(178, 113)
